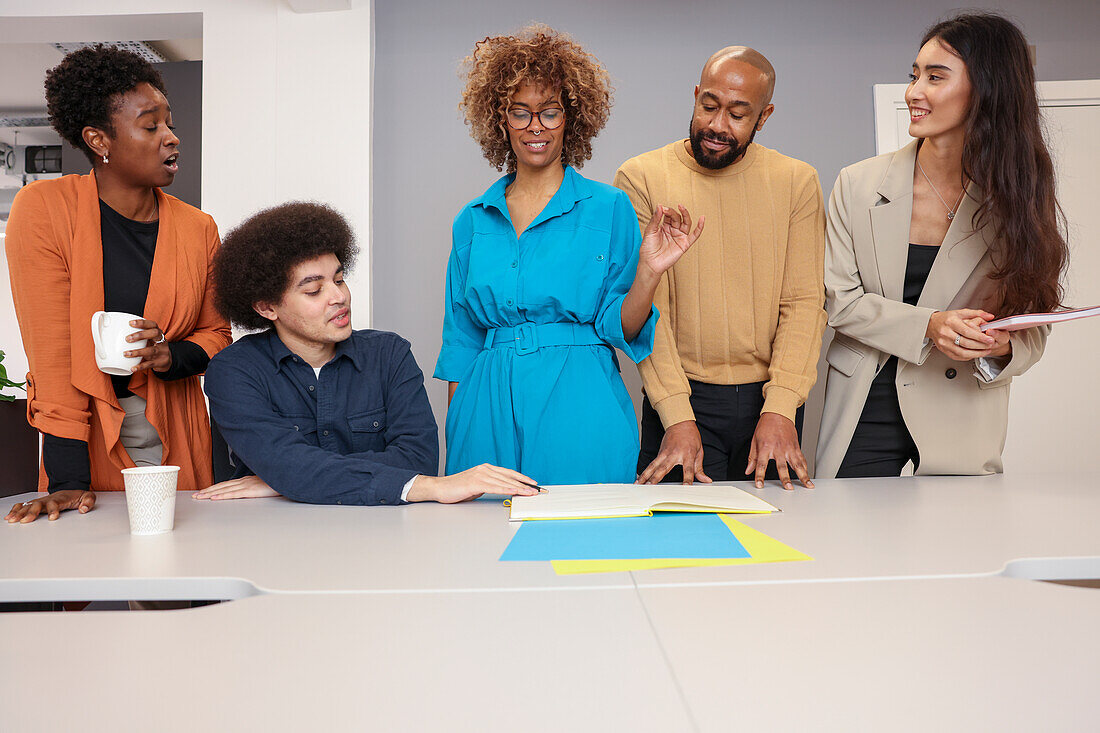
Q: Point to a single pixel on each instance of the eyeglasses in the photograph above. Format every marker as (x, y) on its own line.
(519, 118)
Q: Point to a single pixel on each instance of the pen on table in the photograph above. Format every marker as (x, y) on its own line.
(535, 486)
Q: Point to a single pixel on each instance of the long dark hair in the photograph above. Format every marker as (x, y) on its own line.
(1004, 153)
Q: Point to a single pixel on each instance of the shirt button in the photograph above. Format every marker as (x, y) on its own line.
(339, 502)
(950, 373)
(509, 301)
(326, 432)
(375, 423)
(381, 501)
(515, 264)
(599, 257)
(311, 388)
(295, 360)
(295, 427)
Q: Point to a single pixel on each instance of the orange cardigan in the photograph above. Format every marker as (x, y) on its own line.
(55, 258)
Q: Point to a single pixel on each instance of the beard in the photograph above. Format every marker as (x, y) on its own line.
(716, 161)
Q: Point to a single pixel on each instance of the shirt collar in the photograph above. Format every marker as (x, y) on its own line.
(280, 353)
(346, 349)
(574, 187)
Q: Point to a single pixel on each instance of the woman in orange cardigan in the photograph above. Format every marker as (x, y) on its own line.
(112, 240)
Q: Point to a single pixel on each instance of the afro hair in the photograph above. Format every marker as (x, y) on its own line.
(255, 260)
(87, 87)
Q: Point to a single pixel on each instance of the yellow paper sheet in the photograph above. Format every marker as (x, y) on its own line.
(760, 547)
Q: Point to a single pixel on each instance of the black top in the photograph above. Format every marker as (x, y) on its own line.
(917, 266)
(128, 250)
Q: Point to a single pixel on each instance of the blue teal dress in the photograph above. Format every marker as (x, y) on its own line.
(528, 331)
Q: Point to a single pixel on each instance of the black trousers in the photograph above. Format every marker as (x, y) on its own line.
(881, 444)
(726, 415)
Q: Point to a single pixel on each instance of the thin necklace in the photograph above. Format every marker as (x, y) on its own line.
(950, 211)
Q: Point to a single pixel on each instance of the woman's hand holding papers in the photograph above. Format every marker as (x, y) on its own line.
(957, 334)
(470, 484)
(1002, 345)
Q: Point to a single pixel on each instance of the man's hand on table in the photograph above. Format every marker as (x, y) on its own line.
(248, 487)
(681, 446)
(777, 439)
(53, 504)
(470, 484)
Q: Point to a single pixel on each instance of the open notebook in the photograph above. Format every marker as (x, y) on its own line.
(633, 500)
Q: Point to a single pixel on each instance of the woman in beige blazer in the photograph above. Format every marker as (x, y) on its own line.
(924, 245)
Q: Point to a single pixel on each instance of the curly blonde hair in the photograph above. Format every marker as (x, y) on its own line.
(537, 54)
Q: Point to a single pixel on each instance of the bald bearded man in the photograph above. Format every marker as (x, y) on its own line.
(742, 312)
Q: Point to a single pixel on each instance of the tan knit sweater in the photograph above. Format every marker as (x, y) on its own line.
(745, 303)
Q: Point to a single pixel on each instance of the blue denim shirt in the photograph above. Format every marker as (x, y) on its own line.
(355, 435)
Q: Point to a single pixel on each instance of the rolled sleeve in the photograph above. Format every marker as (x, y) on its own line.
(463, 339)
(1028, 346)
(40, 287)
(625, 242)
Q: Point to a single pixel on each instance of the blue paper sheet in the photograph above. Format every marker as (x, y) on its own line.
(664, 535)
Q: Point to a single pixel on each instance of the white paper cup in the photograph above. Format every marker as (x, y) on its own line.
(109, 332)
(151, 498)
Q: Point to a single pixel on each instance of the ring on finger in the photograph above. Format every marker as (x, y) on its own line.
(958, 338)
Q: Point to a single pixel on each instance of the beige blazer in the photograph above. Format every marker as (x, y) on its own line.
(957, 418)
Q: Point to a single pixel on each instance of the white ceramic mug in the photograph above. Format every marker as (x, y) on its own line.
(109, 332)
(151, 498)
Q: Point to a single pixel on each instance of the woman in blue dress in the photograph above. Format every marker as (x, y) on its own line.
(547, 273)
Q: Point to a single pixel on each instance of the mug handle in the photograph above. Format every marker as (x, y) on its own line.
(97, 339)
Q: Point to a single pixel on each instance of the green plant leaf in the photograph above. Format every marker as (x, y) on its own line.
(5, 382)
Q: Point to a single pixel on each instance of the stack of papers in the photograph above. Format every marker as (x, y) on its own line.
(1030, 320)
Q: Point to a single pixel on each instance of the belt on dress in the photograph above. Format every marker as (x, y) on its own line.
(528, 338)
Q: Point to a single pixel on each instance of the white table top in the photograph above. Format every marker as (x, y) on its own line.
(403, 618)
(467, 661)
(965, 654)
(929, 526)
(957, 654)
(263, 545)
(854, 529)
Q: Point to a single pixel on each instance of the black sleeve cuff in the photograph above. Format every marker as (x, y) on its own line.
(188, 359)
(67, 464)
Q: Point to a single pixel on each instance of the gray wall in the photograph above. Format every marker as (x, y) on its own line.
(827, 55)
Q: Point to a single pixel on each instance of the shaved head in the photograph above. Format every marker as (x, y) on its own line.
(745, 55)
(732, 103)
